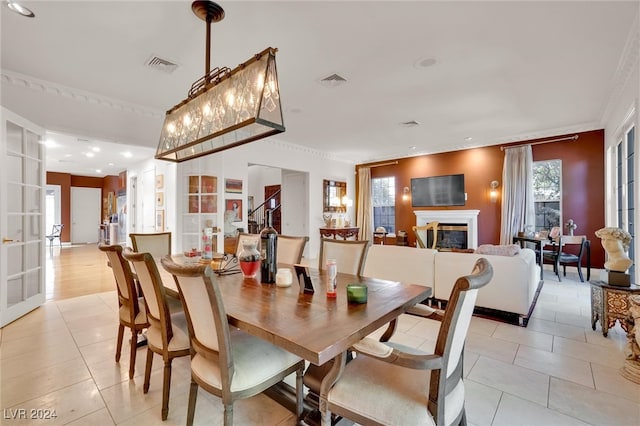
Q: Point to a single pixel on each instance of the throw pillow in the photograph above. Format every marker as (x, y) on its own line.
(499, 250)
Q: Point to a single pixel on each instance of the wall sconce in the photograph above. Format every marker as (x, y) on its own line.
(346, 202)
(493, 192)
(405, 193)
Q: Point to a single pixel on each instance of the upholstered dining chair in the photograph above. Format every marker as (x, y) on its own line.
(167, 335)
(418, 230)
(573, 250)
(290, 249)
(157, 244)
(350, 254)
(131, 309)
(392, 384)
(226, 362)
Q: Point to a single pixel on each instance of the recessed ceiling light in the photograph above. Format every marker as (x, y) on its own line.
(468, 138)
(98, 171)
(50, 143)
(424, 62)
(20, 9)
(67, 155)
(95, 149)
(90, 154)
(127, 154)
(412, 148)
(111, 164)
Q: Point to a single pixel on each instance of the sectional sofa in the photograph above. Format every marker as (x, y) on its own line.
(511, 294)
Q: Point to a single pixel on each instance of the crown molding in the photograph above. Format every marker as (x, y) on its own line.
(54, 89)
(288, 146)
(627, 63)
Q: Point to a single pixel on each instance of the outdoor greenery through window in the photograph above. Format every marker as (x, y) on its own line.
(383, 197)
(547, 192)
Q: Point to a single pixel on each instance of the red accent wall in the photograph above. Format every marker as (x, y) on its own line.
(582, 184)
(66, 181)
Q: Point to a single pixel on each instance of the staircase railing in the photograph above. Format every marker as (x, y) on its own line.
(257, 217)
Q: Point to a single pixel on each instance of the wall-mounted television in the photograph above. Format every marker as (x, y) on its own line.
(437, 191)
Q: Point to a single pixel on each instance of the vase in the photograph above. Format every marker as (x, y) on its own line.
(249, 259)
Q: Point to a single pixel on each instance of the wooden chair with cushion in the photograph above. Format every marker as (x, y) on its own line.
(227, 362)
(349, 254)
(418, 230)
(157, 244)
(552, 255)
(167, 335)
(290, 249)
(131, 310)
(574, 249)
(392, 384)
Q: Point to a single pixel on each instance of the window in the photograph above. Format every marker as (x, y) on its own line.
(547, 192)
(383, 196)
(625, 160)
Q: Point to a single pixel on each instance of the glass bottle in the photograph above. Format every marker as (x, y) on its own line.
(249, 259)
(332, 272)
(268, 248)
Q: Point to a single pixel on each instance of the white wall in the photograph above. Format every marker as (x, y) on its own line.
(234, 163)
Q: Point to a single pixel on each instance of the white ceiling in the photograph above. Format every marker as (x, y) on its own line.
(503, 71)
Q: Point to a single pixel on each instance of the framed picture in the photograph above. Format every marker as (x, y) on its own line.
(159, 181)
(159, 220)
(233, 186)
(235, 207)
(159, 199)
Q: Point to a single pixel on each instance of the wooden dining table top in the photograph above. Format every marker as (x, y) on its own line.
(312, 326)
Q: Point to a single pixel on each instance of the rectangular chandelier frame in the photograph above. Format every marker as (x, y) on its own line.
(224, 109)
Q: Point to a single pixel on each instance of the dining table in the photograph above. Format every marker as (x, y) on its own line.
(313, 326)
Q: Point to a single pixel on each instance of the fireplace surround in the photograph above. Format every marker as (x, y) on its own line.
(458, 217)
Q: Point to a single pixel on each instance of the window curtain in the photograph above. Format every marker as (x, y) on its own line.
(517, 193)
(364, 218)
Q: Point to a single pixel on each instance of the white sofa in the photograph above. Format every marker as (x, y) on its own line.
(512, 290)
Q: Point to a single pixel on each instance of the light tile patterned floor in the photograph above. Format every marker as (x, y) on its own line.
(557, 371)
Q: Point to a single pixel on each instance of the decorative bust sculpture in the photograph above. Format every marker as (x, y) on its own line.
(616, 243)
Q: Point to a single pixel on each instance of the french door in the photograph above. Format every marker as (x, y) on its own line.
(22, 195)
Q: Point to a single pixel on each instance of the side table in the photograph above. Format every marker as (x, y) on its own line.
(610, 303)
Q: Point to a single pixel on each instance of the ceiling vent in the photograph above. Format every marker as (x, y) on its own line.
(160, 64)
(334, 80)
(411, 123)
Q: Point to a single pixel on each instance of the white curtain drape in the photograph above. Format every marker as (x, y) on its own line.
(364, 216)
(517, 193)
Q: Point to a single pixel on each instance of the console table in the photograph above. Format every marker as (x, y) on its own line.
(344, 233)
(610, 303)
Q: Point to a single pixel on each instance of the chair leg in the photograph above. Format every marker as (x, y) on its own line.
(228, 414)
(191, 409)
(132, 356)
(299, 392)
(119, 344)
(147, 371)
(166, 388)
(580, 273)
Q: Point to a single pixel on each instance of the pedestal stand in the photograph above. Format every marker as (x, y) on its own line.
(631, 368)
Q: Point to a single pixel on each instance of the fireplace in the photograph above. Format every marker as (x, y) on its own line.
(450, 236)
(468, 218)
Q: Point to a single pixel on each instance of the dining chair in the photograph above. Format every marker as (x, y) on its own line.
(131, 311)
(349, 254)
(157, 244)
(418, 230)
(243, 237)
(290, 249)
(393, 384)
(552, 255)
(574, 249)
(226, 361)
(56, 232)
(167, 335)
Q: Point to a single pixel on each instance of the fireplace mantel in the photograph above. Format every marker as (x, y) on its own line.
(468, 217)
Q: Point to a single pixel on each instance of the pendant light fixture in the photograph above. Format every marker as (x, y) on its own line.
(225, 108)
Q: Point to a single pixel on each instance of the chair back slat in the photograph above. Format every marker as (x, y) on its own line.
(290, 249)
(157, 244)
(348, 253)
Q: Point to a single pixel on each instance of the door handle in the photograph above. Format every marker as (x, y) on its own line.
(7, 240)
